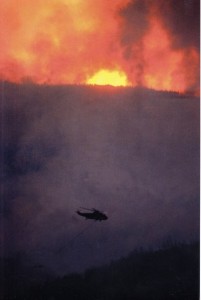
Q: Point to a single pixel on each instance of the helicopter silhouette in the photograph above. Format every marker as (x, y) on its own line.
(94, 214)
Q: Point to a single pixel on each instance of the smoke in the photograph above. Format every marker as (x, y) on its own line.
(181, 20)
(49, 41)
(130, 152)
(167, 31)
(152, 43)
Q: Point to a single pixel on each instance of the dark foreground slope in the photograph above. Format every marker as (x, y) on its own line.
(171, 273)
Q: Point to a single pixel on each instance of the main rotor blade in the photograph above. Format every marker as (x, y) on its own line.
(87, 208)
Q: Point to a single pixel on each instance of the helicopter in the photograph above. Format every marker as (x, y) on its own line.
(94, 214)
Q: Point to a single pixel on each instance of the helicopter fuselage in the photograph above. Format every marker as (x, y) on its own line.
(95, 215)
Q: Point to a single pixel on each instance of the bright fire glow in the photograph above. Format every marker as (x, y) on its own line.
(106, 77)
(81, 42)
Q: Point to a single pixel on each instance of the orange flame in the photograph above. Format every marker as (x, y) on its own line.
(78, 42)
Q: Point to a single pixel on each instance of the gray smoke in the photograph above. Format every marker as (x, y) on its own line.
(133, 153)
(181, 18)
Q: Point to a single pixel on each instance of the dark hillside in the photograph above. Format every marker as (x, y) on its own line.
(171, 273)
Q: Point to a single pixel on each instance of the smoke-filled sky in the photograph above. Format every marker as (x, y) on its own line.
(120, 42)
(130, 148)
(133, 153)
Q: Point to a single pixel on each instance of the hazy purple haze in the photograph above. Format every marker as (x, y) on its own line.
(133, 153)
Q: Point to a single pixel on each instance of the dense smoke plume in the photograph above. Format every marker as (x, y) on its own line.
(133, 153)
(152, 43)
